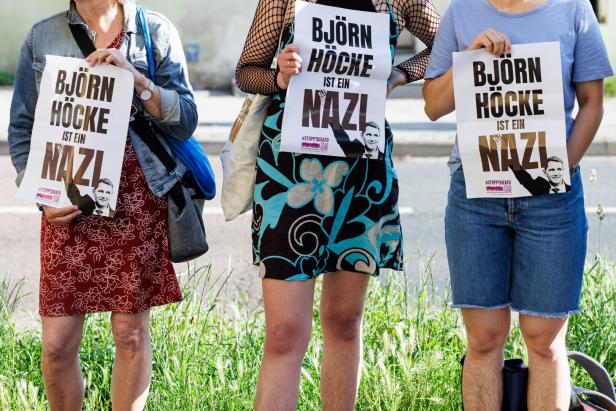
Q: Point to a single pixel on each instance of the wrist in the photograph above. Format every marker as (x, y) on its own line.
(280, 83)
(141, 82)
(400, 77)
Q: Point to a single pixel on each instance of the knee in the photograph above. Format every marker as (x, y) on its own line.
(131, 337)
(284, 338)
(488, 340)
(57, 351)
(544, 344)
(343, 323)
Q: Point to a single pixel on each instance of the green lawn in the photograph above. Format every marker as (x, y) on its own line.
(610, 87)
(6, 78)
(207, 359)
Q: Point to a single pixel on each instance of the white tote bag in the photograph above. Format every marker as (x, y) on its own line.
(239, 157)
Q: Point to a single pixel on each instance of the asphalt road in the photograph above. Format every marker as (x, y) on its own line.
(423, 189)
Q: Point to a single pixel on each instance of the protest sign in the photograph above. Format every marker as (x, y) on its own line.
(511, 121)
(336, 105)
(78, 136)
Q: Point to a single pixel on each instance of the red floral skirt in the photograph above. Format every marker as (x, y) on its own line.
(120, 264)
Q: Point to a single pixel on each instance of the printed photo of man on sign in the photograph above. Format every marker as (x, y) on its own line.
(336, 105)
(367, 146)
(511, 121)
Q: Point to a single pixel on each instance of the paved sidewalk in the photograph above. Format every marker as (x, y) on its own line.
(414, 133)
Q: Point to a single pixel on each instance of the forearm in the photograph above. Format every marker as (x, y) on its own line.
(415, 67)
(438, 96)
(172, 107)
(257, 80)
(340, 135)
(422, 21)
(254, 73)
(584, 130)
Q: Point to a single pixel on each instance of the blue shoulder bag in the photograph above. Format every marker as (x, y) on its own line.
(188, 151)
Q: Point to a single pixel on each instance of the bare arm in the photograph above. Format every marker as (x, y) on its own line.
(590, 99)
(438, 92)
(422, 20)
(254, 73)
(438, 96)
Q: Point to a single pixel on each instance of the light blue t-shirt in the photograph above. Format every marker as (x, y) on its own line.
(571, 22)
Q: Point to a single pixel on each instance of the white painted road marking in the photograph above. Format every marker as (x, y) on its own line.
(218, 210)
(34, 210)
(206, 211)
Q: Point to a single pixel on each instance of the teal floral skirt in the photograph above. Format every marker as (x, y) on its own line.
(316, 214)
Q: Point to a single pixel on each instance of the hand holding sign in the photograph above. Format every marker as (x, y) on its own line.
(289, 64)
(494, 42)
(60, 216)
(110, 56)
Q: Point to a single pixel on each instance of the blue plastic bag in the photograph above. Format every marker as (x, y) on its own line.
(194, 158)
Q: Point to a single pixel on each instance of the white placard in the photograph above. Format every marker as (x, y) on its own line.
(511, 121)
(336, 105)
(79, 135)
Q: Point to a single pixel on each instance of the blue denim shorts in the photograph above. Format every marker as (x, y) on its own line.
(527, 253)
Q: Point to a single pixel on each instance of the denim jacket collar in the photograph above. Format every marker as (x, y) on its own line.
(130, 16)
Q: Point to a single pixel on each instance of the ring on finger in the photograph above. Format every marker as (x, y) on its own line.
(288, 63)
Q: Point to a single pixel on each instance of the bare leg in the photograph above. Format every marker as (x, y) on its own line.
(342, 307)
(549, 380)
(132, 368)
(60, 363)
(288, 323)
(482, 379)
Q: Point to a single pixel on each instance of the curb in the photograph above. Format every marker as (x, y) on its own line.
(401, 149)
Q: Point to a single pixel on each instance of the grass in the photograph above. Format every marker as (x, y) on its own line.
(609, 87)
(6, 78)
(206, 357)
(10, 295)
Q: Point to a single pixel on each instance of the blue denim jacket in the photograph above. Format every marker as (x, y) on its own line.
(179, 113)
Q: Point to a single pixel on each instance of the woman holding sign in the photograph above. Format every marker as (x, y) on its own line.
(527, 253)
(315, 214)
(104, 256)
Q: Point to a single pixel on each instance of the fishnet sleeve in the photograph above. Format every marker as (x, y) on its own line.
(254, 73)
(422, 20)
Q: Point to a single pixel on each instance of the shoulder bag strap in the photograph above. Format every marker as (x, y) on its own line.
(147, 38)
(82, 39)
